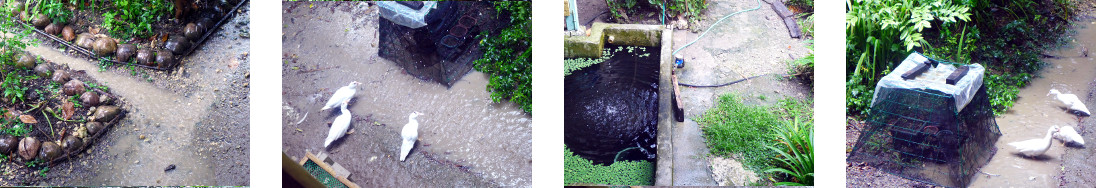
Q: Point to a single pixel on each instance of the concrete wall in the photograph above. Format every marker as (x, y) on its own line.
(623, 34)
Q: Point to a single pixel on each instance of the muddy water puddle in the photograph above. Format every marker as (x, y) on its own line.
(165, 112)
(464, 138)
(1034, 112)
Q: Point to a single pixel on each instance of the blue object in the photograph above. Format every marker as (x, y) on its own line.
(679, 62)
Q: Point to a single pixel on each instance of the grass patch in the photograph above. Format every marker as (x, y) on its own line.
(578, 170)
(733, 128)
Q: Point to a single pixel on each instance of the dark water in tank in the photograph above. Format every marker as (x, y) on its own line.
(613, 106)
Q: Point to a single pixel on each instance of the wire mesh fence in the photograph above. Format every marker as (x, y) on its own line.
(920, 134)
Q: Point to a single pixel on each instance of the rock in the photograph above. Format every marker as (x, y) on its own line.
(18, 8)
(84, 40)
(145, 57)
(41, 21)
(68, 33)
(125, 52)
(106, 99)
(28, 148)
(177, 45)
(164, 59)
(105, 47)
(49, 151)
(105, 113)
(61, 76)
(90, 98)
(54, 29)
(42, 70)
(71, 143)
(26, 61)
(205, 23)
(73, 87)
(192, 32)
(94, 127)
(8, 143)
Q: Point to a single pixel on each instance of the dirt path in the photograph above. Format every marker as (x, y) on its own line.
(747, 44)
(464, 138)
(195, 118)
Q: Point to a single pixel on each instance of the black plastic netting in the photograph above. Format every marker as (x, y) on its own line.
(917, 134)
(444, 49)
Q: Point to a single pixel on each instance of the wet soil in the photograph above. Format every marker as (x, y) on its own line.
(464, 138)
(1034, 112)
(195, 118)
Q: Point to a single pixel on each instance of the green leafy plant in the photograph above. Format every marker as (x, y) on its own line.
(16, 128)
(56, 10)
(795, 153)
(879, 33)
(577, 170)
(507, 57)
(773, 140)
(13, 87)
(134, 18)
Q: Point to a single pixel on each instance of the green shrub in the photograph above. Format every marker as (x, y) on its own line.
(134, 18)
(507, 57)
(577, 170)
(795, 153)
(879, 33)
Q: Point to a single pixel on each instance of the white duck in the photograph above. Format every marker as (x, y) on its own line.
(1069, 135)
(1035, 147)
(1070, 101)
(339, 126)
(410, 134)
(342, 95)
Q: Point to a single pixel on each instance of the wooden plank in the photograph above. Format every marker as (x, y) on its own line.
(679, 112)
(329, 170)
(957, 75)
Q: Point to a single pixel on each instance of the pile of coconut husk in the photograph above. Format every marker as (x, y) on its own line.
(173, 38)
(61, 112)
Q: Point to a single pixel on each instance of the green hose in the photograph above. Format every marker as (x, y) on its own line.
(622, 151)
(713, 26)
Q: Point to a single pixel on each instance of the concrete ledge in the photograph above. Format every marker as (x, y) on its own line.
(664, 167)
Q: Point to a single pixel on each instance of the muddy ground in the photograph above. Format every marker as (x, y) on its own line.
(195, 118)
(745, 45)
(464, 138)
(1033, 112)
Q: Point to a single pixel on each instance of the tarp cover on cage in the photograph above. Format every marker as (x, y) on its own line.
(413, 17)
(443, 50)
(934, 78)
(920, 134)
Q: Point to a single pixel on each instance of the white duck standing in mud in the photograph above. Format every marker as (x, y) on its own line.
(410, 134)
(1035, 147)
(339, 126)
(1071, 102)
(1068, 135)
(342, 95)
